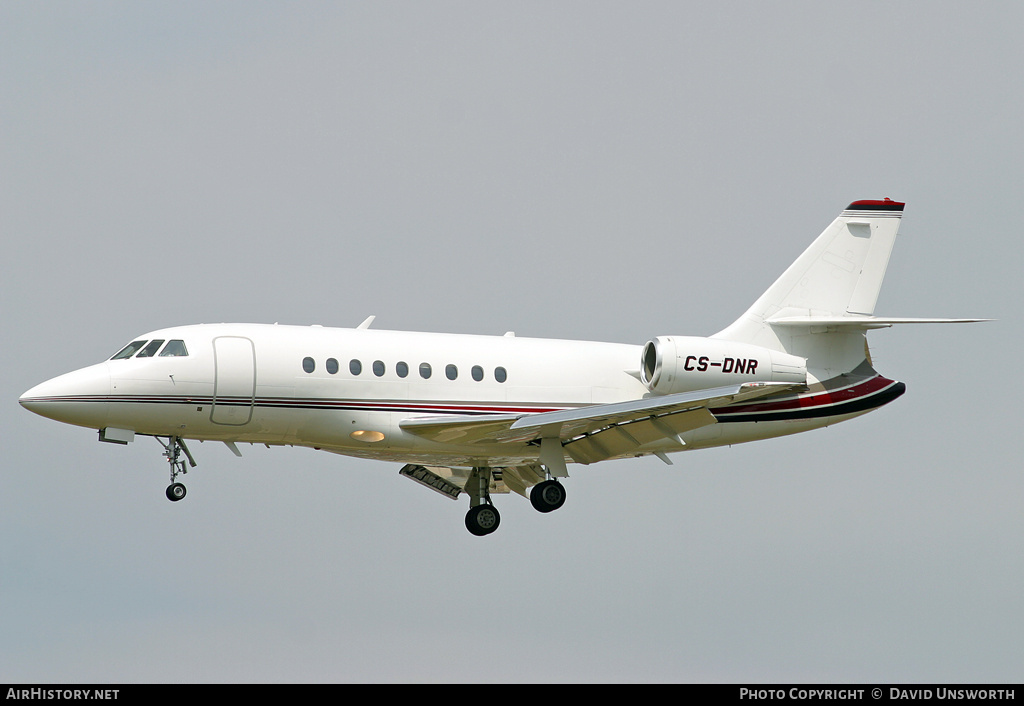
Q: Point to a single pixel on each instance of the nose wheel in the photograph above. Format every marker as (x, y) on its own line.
(175, 492)
(173, 450)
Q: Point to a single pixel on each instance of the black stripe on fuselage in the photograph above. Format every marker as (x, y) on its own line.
(326, 404)
(861, 404)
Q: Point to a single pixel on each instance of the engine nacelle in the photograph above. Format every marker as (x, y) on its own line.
(687, 363)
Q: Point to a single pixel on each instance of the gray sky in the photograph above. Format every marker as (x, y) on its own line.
(591, 170)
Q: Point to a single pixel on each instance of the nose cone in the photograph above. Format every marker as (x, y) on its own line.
(75, 398)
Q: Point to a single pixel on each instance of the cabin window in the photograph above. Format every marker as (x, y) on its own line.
(500, 375)
(129, 350)
(378, 368)
(175, 348)
(355, 367)
(425, 370)
(332, 365)
(402, 368)
(151, 348)
(477, 372)
(308, 364)
(451, 372)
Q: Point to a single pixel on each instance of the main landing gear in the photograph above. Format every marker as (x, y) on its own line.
(483, 517)
(173, 450)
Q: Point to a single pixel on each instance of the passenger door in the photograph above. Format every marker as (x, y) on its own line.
(234, 384)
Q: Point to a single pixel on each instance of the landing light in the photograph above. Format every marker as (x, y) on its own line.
(369, 437)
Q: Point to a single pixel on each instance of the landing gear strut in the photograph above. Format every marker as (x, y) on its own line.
(483, 517)
(173, 450)
(549, 495)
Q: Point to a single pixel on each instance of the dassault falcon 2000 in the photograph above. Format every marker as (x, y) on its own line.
(483, 415)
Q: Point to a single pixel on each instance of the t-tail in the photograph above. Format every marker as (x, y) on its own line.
(820, 308)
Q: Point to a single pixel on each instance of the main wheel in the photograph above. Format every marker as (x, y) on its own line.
(482, 519)
(547, 496)
(175, 492)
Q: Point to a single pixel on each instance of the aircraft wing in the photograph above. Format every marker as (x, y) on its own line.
(595, 432)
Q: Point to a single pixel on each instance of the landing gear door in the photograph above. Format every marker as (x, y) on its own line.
(234, 385)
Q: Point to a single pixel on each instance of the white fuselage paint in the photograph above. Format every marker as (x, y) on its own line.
(247, 383)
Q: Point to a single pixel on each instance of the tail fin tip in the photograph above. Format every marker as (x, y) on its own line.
(885, 204)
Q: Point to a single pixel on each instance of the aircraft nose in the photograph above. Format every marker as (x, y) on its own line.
(78, 397)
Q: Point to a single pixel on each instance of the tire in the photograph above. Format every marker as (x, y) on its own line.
(175, 492)
(547, 496)
(482, 519)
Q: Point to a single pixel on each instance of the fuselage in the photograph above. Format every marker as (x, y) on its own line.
(348, 390)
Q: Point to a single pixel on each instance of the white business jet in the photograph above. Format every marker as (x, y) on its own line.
(483, 415)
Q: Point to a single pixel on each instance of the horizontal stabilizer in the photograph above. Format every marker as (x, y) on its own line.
(860, 322)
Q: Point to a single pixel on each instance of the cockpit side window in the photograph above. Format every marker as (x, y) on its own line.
(151, 348)
(129, 350)
(175, 347)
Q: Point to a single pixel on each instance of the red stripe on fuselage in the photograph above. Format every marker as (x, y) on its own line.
(811, 400)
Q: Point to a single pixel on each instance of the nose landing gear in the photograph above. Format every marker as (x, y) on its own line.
(173, 450)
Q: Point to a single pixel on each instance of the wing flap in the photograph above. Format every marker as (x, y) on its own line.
(595, 432)
(630, 437)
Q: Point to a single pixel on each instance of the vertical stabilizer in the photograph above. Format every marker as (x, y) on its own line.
(839, 275)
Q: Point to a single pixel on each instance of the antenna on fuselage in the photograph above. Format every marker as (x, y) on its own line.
(366, 322)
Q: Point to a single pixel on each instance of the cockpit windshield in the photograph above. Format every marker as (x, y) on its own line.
(174, 348)
(129, 350)
(148, 349)
(151, 348)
